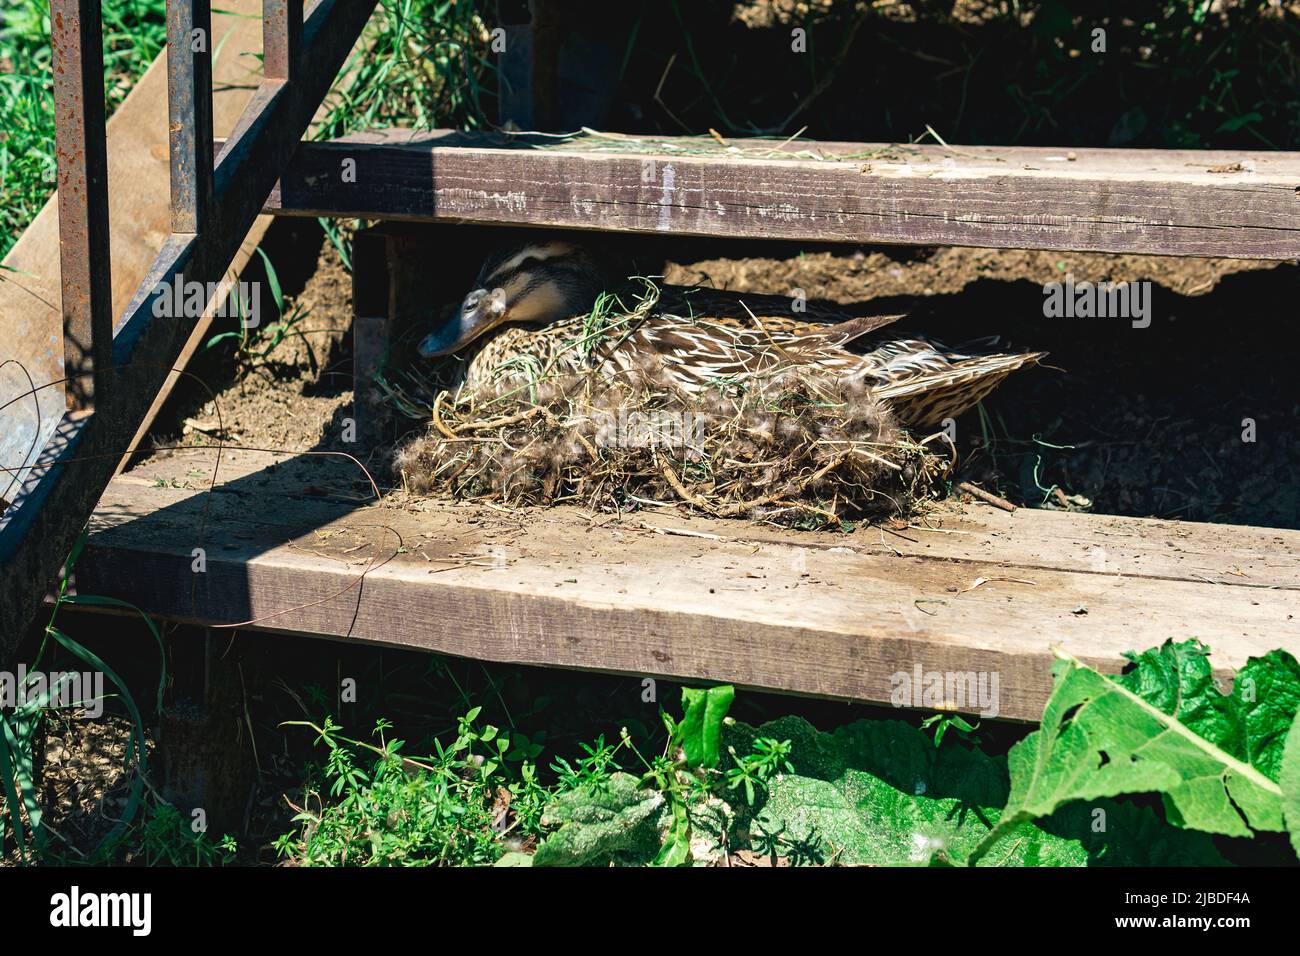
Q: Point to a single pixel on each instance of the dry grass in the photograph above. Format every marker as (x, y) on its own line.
(796, 444)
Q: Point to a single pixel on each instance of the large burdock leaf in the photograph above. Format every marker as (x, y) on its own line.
(881, 793)
(626, 823)
(1163, 727)
(1290, 781)
(616, 822)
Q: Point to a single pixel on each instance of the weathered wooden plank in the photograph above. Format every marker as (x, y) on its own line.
(287, 547)
(1026, 540)
(1234, 555)
(1183, 202)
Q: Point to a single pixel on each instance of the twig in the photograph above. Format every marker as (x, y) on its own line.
(437, 418)
(986, 496)
(682, 532)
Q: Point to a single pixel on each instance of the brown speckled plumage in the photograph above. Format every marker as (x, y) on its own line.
(705, 338)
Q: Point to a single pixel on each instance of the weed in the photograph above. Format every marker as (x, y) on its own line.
(19, 730)
(456, 806)
(422, 64)
(165, 837)
(256, 344)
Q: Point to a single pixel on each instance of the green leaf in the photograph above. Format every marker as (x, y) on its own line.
(700, 730)
(272, 280)
(1267, 694)
(221, 337)
(880, 793)
(515, 859)
(617, 822)
(1290, 782)
(78, 546)
(1164, 727)
(676, 849)
(18, 734)
(10, 780)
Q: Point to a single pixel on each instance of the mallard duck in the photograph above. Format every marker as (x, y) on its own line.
(547, 289)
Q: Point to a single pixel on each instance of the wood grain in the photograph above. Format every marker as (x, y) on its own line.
(1178, 202)
(293, 548)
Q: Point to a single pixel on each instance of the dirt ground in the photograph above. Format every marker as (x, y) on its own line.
(1123, 420)
(1120, 420)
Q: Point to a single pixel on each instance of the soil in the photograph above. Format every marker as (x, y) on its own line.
(1120, 420)
(84, 786)
(285, 399)
(1123, 420)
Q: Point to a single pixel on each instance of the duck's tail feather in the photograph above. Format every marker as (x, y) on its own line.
(925, 399)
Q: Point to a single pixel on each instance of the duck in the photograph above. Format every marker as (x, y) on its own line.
(531, 307)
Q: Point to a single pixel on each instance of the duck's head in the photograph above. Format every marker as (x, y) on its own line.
(537, 282)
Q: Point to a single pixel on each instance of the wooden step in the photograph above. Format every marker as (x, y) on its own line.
(291, 544)
(1170, 202)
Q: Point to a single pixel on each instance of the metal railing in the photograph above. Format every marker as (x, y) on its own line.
(113, 367)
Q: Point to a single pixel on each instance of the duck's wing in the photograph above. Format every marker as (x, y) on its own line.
(925, 385)
(691, 354)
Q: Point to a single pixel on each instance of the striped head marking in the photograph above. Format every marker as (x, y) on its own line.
(534, 282)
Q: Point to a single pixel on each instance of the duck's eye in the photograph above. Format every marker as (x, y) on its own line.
(473, 299)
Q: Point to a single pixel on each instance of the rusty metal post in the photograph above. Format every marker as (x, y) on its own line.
(38, 528)
(281, 38)
(82, 153)
(189, 105)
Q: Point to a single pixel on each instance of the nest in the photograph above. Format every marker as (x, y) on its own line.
(798, 444)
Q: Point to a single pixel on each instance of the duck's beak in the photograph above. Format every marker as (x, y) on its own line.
(481, 312)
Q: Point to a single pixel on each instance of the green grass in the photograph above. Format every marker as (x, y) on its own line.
(134, 33)
(427, 65)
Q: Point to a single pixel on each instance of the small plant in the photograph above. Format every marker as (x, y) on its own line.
(754, 770)
(422, 64)
(457, 806)
(257, 344)
(602, 815)
(943, 722)
(19, 729)
(593, 770)
(165, 838)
